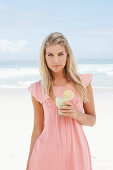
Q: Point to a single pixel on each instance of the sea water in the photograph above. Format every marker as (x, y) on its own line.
(20, 74)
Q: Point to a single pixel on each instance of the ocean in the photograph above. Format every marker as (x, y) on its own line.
(20, 74)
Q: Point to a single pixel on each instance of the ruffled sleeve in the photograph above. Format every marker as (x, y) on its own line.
(86, 78)
(36, 91)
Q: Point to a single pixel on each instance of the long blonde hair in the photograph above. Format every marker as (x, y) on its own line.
(71, 73)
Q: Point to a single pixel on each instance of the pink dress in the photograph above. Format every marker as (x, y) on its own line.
(62, 144)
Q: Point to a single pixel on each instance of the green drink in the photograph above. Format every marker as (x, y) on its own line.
(59, 102)
(67, 96)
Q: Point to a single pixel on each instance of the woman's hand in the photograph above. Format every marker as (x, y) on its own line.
(68, 110)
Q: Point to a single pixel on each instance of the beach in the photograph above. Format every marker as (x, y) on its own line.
(16, 123)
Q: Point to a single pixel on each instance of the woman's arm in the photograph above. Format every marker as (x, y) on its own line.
(89, 118)
(38, 125)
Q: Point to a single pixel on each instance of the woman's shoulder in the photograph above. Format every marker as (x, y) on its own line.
(85, 74)
(35, 90)
(86, 78)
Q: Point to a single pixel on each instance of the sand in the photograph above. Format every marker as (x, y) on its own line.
(16, 123)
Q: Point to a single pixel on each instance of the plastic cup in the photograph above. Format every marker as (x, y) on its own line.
(59, 101)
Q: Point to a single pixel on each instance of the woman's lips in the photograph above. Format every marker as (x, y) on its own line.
(56, 66)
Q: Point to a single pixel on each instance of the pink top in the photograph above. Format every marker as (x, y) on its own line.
(62, 144)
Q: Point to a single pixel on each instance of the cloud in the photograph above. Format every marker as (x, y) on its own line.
(2, 7)
(9, 46)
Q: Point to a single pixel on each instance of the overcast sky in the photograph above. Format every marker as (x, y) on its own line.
(87, 25)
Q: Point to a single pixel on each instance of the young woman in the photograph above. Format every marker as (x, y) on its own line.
(59, 143)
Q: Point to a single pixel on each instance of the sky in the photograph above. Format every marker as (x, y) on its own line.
(87, 25)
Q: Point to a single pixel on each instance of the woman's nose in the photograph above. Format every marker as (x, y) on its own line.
(55, 58)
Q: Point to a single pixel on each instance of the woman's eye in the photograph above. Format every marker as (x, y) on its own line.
(52, 55)
(61, 54)
(49, 54)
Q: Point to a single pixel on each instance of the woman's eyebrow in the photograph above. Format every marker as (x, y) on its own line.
(58, 53)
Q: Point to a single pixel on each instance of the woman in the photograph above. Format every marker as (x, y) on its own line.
(59, 143)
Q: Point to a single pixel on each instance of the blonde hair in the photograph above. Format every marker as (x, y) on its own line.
(71, 73)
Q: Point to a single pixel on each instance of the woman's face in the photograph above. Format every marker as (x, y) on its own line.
(56, 57)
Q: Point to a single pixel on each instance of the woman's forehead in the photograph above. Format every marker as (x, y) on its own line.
(55, 48)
